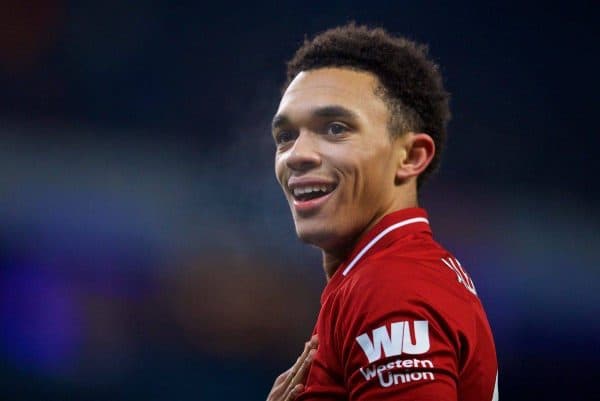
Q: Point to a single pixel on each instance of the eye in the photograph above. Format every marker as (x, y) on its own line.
(282, 137)
(336, 129)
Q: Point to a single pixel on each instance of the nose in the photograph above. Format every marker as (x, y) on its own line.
(304, 154)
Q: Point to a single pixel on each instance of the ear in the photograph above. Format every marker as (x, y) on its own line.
(416, 152)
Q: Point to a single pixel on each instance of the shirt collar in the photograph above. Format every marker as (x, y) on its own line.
(391, 227)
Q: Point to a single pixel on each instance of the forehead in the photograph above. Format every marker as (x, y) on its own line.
(352, 89)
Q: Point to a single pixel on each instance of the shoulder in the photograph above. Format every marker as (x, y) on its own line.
(428, 285)
(434, 276)
(416, 306)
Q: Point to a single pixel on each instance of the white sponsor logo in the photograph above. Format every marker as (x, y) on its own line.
(370, 371)
(386, 376)
(396, 378)
(398, 342)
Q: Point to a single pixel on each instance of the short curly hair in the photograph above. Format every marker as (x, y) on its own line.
(410, 82)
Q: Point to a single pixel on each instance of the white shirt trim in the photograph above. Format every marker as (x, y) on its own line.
(495, 395)
(380, 236)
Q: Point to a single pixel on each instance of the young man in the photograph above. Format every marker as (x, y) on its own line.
(360, 125)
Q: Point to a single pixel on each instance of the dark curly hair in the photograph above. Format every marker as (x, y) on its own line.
(410, 82)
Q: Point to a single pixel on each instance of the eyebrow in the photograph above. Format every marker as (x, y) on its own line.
(319, 112)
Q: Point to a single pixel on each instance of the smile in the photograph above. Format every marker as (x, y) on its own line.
(310, 192)
(310, 196)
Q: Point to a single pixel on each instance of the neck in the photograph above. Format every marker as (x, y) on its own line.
(331, 261)
(405, 197)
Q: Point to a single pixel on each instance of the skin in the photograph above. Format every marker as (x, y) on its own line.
(290, 383)
(332, 128)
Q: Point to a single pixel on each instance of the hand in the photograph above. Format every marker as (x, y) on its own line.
(290, 383)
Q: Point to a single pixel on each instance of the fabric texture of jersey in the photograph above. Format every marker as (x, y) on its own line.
(400, 320)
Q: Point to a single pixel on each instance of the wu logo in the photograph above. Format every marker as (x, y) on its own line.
(396, 342)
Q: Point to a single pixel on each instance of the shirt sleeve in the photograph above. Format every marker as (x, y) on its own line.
(397, 340)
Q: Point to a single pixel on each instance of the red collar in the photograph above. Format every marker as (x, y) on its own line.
(391, 227)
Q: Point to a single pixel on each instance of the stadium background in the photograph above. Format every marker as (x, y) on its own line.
(146, 252)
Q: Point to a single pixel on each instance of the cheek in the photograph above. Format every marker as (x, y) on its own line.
(368, 173)
(279, 169)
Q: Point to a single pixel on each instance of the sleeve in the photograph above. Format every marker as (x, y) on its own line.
(397, 341)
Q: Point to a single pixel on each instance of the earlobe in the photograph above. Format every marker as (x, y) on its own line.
(417, 152)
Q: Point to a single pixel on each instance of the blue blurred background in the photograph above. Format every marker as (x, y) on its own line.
(146, 252)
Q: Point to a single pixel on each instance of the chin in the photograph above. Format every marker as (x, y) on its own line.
(321, 235)
(314, 234)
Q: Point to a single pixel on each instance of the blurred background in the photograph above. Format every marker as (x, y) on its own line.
(146, 252)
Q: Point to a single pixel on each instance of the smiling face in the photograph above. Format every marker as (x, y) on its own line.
(336, 161)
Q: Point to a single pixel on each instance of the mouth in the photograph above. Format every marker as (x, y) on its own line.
(308, 198)
(311, 192)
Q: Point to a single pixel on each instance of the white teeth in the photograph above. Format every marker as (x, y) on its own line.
(308, 189)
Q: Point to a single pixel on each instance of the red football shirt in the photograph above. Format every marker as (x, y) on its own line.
(400, 320)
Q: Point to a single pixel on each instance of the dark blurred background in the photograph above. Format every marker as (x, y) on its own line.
(146, 252)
